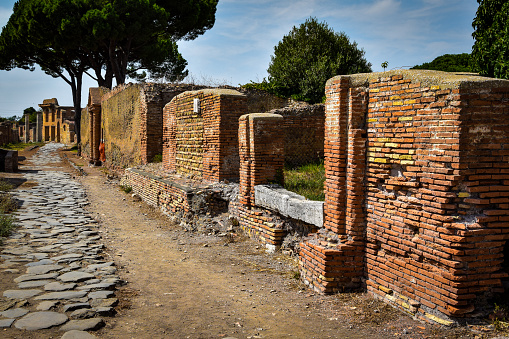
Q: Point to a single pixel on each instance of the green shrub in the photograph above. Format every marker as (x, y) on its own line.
(157, 158)
(126, 188)
(6, 224)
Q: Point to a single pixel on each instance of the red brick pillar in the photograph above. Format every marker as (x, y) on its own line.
(335, 152)
(261, 150)
(95, 134)
(356, 164)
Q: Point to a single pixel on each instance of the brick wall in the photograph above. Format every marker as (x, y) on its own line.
(203, 144)
(304, 129)
(416, 194)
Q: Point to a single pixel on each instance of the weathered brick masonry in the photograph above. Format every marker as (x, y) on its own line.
(417, 191)
(303, 127)
(203, 142)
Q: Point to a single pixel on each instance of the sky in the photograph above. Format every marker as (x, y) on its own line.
(238, 48)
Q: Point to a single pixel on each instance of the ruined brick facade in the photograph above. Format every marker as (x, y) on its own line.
(57, 122)
(416, 191)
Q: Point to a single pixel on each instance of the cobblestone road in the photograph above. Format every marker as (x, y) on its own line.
(65, 281)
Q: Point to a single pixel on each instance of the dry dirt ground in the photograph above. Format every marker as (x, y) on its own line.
(191, 285)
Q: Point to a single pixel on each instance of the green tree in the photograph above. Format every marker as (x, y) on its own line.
(308, 56)
(490, 53)
(32, 115)
(448, 63)
(105, 39)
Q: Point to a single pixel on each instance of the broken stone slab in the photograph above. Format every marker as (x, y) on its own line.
(61, 295)
(4, 323)
(108, 302)
(105, 311)
(75, 276)
(75, 334)
(41, 320)
(14, 313)
(75, 306)
(91, 324)
(30, 277)
(83, 313)
(43, 269)
(46, 305)
(21, 294)
(94, 267)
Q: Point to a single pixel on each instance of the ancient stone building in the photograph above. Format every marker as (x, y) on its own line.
(57, 122)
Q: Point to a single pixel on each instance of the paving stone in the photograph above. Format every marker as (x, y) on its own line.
(30, 277)
(21, 294)
(75, 276)
(33, 283)
(61, 295)
(15, 312)
(91, 324)
(40, 320)
(75, 334)
(67, 256)
(43, 269)
(40, 262)
(58, 287)
(100, 294)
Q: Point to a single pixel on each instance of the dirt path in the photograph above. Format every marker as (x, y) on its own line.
(187, 285)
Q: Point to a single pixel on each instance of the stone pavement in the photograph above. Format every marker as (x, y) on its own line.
(64, 280)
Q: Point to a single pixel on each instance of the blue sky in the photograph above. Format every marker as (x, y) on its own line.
(239, 46)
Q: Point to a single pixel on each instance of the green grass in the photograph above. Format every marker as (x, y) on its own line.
(306, 180)
(21, 145)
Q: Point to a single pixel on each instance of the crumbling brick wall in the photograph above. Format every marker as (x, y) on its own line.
(416, 191)
(203, 143)
(7, 133)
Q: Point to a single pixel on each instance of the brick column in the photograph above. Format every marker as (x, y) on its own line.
(95, 134)
(27, 127)
(261, 149)
(335, 154)
(38, 137)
